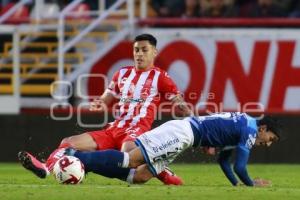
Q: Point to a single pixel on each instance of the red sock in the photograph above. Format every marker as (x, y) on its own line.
(56, 155)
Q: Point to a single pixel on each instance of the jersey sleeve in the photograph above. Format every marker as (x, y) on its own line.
(241, 160)
(225, 165)
(166, 87)
(242, 156)
(113, 86)
(247, 140)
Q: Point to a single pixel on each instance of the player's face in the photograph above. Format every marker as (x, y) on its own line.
(144, 54)
(265, 138)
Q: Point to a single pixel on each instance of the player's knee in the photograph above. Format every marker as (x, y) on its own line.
(65, 143)
(133, 163)
(136, 158)
(69, 142)
(128, 146)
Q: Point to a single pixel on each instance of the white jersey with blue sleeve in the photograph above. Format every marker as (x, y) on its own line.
(162, 145)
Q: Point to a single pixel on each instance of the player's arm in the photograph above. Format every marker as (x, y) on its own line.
(181, 106)
(225, 165)
(169, 91)
(105, 100)
(242, 156)
(240, 166)
(109, 95)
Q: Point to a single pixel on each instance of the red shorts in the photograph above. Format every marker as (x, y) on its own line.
(113, 138)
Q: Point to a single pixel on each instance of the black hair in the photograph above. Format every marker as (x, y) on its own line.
(148, 37)
(272, 124)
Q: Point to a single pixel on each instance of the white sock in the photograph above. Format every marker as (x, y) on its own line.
(130, 176)
(125, 160)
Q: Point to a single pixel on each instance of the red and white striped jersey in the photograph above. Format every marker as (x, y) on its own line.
(140, 93)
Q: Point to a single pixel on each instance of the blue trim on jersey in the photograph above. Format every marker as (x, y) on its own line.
(196, 132)
(146, 157)
(251, 122)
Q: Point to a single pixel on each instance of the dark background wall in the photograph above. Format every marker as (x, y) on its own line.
(39, 134)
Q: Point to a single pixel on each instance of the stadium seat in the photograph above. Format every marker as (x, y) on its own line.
(49, 11)
(19, 17)
(80, 10)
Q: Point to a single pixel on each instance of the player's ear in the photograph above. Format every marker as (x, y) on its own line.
(262, 128)
(155, 51)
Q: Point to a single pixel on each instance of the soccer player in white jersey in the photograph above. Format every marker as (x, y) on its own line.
(159, 147)
(139, 90)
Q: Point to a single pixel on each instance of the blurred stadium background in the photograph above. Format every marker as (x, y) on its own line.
(224, 55)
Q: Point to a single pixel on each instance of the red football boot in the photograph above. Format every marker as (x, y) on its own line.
(32, 164)
(169, 178)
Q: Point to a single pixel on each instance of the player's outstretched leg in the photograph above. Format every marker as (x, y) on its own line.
(169, 178)
(55, 156)
(32, 164)
(107, 163)
(83, 142)
(39, 168)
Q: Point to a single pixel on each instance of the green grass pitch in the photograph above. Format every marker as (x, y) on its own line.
(202, 181)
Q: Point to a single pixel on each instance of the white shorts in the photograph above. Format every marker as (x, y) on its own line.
(163, 144)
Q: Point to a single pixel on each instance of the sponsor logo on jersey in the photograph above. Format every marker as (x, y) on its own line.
(250, 142)
(129, 100)
(165, 145)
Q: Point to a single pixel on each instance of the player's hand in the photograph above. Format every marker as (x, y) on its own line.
(258, 182)
(209, 150)
(96, 105)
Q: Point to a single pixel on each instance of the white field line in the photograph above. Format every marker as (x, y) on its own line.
(83, 186)
(58, 185)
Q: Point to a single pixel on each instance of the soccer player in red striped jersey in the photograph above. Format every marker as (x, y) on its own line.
(140, 89)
